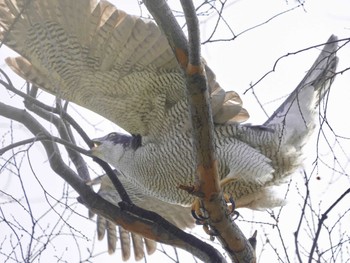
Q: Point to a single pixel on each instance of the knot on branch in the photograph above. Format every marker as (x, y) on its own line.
(192, 190)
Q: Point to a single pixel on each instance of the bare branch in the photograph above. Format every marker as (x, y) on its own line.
(76, 158)
(51, 148)
(207, 185)
(286, 55)
(321, 222)
(296, 233)
(132, 222)
(45, 138)
(29, 99)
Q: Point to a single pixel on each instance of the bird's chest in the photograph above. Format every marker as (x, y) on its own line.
(161, 168)
(172, 161)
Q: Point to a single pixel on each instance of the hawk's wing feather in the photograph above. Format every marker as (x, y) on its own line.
(101, 58)
(124, 242)
(177, 215)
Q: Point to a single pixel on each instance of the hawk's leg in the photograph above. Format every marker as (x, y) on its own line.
(202, 217)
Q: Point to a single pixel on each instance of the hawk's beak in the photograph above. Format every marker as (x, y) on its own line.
(96, 143)
(97, 148)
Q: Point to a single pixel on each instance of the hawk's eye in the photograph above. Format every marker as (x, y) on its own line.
(112, 135)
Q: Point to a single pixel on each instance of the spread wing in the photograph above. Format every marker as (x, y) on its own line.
(103, 59)
(177, 215)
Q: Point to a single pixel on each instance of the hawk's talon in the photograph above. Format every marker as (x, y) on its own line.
(198, 212)
(211, 232)
(231, 206)
(232, 212)
(235, 215)
(199, 218)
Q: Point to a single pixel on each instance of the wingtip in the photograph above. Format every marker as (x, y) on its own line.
(332, 38)
(331, 44)
(151, 246)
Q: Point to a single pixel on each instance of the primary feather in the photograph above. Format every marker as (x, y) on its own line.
(177, 215)
(75, 48)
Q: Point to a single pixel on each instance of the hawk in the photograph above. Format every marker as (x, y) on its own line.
(122, 67)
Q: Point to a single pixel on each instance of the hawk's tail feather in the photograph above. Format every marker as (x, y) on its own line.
(302, 102)
(111, 237)
(137, 242)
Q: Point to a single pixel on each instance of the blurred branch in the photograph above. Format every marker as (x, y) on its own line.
(45, 138)
(55, 160)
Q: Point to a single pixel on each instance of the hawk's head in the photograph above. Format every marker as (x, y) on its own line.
(112, 147)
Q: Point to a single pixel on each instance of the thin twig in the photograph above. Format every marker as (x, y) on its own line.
(321, 221)
(45, 138)
(286, 55)
(8, 85)
(60, 125)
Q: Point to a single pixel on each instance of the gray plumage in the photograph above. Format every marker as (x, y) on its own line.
(122, 68)
(251, 159)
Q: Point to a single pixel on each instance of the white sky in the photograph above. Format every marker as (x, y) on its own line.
(237, 64)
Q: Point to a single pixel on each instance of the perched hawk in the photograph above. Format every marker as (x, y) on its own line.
(122, 67)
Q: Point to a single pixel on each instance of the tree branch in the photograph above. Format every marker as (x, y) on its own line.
(155, 230)
(207, 183)
(45, 138)
(321, 222)
(290, 54)
(166, 21)
(62, 129)
(29, 99)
